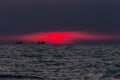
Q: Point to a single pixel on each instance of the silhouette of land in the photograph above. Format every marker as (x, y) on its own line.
(42, 42)
(19, 42)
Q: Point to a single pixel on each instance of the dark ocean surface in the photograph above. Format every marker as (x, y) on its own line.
(60, 62)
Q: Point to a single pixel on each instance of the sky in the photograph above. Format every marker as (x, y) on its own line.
(27, 17)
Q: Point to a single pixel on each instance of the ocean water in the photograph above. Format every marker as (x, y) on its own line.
(60, 62)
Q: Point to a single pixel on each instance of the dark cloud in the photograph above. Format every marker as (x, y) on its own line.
(23, 16)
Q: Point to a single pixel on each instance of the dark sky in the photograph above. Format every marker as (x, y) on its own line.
(29, 16)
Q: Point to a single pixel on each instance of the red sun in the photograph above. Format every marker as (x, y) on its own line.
(60, 37)
(51, 37)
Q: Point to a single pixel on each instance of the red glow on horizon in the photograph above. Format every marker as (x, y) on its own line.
(51, 37)
(60, 37)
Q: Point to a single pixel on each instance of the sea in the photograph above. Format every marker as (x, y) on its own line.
(60, 62)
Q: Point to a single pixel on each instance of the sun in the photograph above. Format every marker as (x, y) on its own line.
(60, 37)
